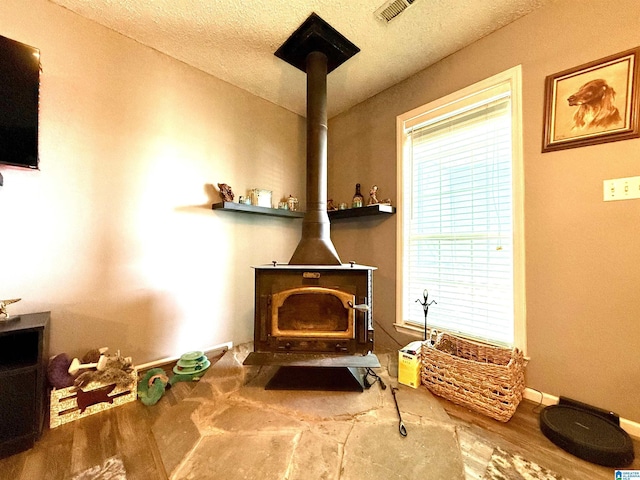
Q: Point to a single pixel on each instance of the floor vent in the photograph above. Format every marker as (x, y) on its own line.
(392, 9)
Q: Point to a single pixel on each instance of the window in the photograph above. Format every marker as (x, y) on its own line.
(461, 237)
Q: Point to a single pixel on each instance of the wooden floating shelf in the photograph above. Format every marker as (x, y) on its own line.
(256, 210)
(367, 211)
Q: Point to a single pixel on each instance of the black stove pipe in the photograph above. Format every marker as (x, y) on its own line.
(315, 247)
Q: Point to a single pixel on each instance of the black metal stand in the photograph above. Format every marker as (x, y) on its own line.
(425, 307)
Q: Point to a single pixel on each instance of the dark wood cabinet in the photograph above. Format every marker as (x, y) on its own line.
(23, 357)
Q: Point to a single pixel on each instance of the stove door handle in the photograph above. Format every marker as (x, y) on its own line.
(361, 308)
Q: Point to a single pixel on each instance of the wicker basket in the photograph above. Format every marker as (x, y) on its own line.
(484, 378)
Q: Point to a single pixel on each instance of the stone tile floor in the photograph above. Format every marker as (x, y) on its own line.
(231, 427)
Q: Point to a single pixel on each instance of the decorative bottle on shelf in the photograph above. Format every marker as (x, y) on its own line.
(358, 199)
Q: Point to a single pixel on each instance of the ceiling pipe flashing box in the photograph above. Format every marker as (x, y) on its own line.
(316, 35)
(316, 48)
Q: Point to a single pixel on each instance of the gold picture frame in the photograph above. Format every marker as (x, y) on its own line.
(594, 103)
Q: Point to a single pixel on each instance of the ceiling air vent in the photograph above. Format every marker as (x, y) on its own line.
(392, 9)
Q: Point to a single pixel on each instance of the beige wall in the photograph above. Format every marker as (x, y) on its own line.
(582, 254)
(115, 234)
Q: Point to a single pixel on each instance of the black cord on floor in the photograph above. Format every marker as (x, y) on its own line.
(381, 327)
(376, 378)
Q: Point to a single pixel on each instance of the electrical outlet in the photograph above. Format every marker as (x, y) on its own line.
(621, 188)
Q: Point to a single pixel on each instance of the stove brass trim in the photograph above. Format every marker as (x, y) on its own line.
(278, 299)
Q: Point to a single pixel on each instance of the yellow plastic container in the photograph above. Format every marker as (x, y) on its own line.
(409, 365)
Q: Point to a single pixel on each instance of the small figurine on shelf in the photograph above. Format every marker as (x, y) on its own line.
(292, 203)
(373, 199)
(330, 206)
(225, 192)
(3, 307)
(357, 198)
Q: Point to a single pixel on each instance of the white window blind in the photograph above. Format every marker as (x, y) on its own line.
(457, 219)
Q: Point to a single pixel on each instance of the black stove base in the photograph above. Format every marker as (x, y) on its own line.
(316, 371)
(333, 379)
(312, 360)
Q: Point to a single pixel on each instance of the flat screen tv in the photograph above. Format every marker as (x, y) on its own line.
(19, 94)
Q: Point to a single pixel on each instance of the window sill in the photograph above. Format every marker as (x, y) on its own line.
(408, 329)
(418, 332)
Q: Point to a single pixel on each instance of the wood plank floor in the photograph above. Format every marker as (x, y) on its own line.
(69, 449)
(63, 452)
(521, 435)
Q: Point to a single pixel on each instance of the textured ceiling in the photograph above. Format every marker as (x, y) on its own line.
(236, 40)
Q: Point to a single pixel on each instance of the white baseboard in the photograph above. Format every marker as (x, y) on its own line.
(535, 396)
(164, 361)
(629, 426)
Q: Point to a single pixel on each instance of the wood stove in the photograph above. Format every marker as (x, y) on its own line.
(313, 316)
(314, 309)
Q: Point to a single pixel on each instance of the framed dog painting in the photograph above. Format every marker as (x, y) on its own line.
(594, 103)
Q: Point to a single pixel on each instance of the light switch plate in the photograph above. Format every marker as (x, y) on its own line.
(621, 188)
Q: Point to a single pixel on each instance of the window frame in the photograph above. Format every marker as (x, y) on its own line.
(442, 106)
